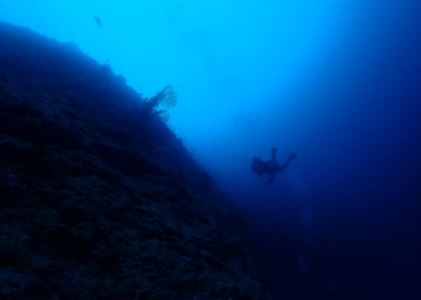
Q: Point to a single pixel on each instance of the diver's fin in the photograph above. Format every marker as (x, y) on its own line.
(274, 152)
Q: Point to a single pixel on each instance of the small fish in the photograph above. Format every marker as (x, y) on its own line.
(98, 21)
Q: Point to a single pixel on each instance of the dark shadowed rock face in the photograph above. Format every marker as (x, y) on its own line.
(98, 198)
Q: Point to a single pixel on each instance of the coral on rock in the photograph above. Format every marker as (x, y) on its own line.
(98, 198)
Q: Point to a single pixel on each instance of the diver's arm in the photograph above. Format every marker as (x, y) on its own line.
(286, 163)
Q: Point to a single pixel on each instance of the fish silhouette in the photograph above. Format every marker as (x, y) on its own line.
(98, 21)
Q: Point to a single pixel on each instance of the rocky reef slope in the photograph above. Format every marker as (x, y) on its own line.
(98, 198)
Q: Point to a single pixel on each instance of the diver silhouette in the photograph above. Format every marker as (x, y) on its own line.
(270, 167)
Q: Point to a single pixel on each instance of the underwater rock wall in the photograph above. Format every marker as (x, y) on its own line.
(98, 198)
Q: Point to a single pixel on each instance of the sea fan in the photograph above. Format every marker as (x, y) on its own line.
(166, 97)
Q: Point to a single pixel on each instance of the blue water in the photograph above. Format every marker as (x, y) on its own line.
(337, 82)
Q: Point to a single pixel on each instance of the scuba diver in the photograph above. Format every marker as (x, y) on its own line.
(270, 167)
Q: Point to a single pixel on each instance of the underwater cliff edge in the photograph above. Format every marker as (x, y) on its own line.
(98, 198)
